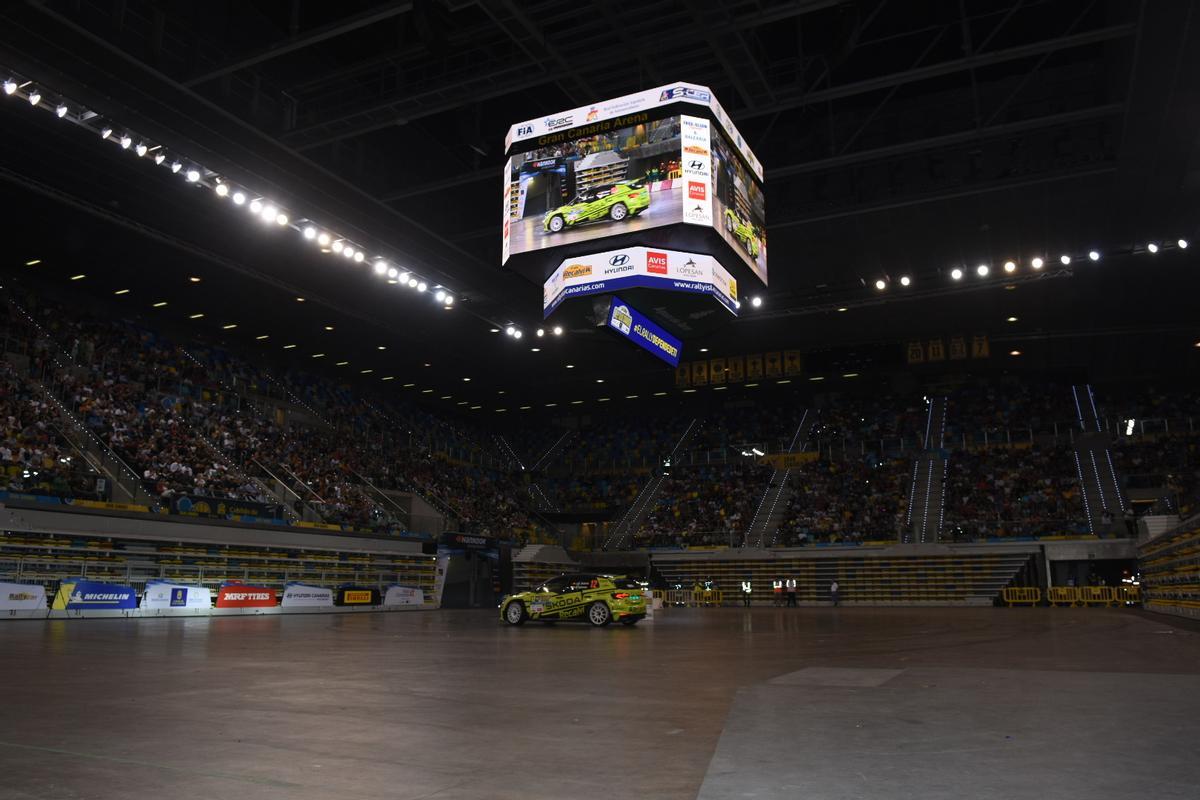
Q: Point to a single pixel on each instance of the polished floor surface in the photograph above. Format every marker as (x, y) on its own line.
(715, 703)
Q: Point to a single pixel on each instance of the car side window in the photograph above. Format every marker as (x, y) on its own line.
(557, 585)
(583, 583)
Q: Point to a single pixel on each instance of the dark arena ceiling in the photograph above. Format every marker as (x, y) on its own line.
(899, 139)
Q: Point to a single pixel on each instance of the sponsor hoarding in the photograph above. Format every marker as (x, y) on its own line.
(299, 595)
(356, 596)
(160, 594)
(236, 595)
(403, 596)
(644, 332)
(22, 597)
(639, 268)
(81, 595)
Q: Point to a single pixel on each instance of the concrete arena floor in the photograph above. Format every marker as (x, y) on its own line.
(701, 702)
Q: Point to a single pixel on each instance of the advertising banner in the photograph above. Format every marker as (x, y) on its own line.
(160, 594)
(200, 506)
(236, 595)
(644, 332)
(22, 597)
(80, 595)
(639, 268)
(403, 596)
(299, 595)
(696, 170)
(356, 596)
(788, 460)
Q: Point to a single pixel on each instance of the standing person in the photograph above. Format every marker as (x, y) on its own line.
(747, 590)
(777, 592)
(791, 592)
(833, 592)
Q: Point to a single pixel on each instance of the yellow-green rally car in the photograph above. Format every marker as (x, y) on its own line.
(595, 599)
(744, 232)
(615, 201)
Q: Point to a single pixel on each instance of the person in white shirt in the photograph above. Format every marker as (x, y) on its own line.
(747, 591)
(833, 592)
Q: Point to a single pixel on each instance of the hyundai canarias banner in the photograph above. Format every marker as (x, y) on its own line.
(639, 268)
(160, 594)
(299, 595)
(237, 595)
(22, 597)
(403, 596)
(642, 331)
(81, 595)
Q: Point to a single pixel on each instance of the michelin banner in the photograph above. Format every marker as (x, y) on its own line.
(299, 595)
(88, 595)
(403, 596)
(176, 595)
(639, 268)
(22, 597)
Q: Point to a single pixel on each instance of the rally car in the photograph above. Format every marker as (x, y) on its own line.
(595, 599)
(615, 201)
(744, 232)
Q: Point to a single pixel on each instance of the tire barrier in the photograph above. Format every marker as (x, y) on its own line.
(1022, 595)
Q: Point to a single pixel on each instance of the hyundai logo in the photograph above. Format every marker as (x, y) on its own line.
(696, 165)
(619, 260)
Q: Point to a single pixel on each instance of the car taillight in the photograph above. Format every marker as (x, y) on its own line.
(621, 595)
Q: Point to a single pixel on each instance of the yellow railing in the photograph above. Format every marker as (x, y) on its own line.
(1062, 595)
(1022, 595)
(1097, 595)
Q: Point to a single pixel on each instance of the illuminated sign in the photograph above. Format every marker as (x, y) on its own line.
(639, 329)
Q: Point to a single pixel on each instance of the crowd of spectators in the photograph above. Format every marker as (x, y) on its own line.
(704, 506)
(851, 500)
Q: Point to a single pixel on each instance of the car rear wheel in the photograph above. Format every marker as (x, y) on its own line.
(515, 613)
(556, 224)
(618, 212)
(728, 223)
(599, 615)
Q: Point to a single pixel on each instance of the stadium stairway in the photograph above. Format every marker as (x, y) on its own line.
(1098, 481)
(927, 494)
(773, 505)
(633, 517)
(900, 575)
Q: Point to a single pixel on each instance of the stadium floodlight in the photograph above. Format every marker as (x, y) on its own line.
(323, 239)
(517, 334)
(381, 268)
(982, 270)
(422, 286)
(880, 284)
(510, 330)
(310, 232)
(1152, 247)
(1093, 255)
(268, 213)
(175, 167)
(905, 280)
(348, 251)
(449, 300)
(1064, 259)
(281, 218)
(956, 274)
(10, 86)
(1010, 266)
(222, 189)
(359, 256)
(256, 206)
(61, 110)
(1183, 243)
(558, 331)
(1037, 262)
(239, 198)
(125, 141)
(35, 97)
(193, 175)
(141, 149)
(412, 283)
(159, 158)
(338, 246)
(440, 296)
(105, 132)
(541, 332)
(756, 301)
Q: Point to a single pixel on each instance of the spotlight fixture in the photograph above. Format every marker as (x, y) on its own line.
(422, 286)
(310, 232)
(159, 158)
(193, 175)
(239, 198)
(880, 284)
(61, 111)
(449, 300)
(175, 167)
(125, 141)
(1014, 352)
(381, 268)
(517, 334)
(510, 330)
(338, 246)
(982, 270)
(541, 332)
(956, 274)
(105, 132)
(1064, 259)
(756, 301)
(558, 331)
(256, 206)
(412, 282)
(35, 97)
(141, 149)
(222, 189)
(281, 219)
(348, 251)
(1093, 255)
(440, 296)
(1037, 262)
(1183, 243)
(1152, 247)
(359, 257)
(1010, 266)
(268, 213)
(10, 86)
(905, 280)
(323, 239)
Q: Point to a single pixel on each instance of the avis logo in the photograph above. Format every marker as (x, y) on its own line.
(619, 260)
(656, 263)
(697, 191)
(524, 130)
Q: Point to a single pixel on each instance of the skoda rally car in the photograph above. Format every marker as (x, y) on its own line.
(616, 201)
(595, 599)
(744, 232)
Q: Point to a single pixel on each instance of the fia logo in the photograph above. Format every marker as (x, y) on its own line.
(524, 130)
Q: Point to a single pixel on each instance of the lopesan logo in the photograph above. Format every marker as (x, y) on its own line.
(691, 269)
(656, 263)
(697, 191)
(577, 271)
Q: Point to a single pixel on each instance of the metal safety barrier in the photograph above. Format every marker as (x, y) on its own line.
(1097, 595)
(1128, 595)
(1062, 595)
(1022, 595)
(694, 599)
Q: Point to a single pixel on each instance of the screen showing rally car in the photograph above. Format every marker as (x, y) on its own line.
(617, 181)
(740, 210)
